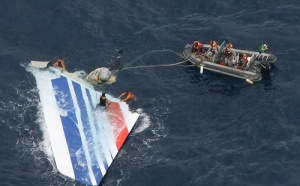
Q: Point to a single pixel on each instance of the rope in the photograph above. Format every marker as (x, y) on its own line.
(151, 66)
(163, 65)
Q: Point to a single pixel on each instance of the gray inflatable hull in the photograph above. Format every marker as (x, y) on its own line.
(252, 72)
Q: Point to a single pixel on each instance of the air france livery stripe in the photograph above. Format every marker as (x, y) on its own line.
(84, 140)
(72, 134)
(87, 132)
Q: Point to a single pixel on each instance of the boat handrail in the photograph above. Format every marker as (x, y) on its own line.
(262, 55)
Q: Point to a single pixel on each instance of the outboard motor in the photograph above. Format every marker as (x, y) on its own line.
(265, 67)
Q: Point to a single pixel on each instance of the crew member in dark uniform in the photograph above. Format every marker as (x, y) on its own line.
(103, 100)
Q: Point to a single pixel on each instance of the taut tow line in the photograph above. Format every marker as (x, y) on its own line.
(163, 65)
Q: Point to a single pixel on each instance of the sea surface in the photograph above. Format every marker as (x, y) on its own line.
(206, 129)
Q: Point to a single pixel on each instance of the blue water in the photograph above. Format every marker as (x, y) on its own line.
(207, 129)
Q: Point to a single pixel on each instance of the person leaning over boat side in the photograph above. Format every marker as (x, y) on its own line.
(197, 47)
(229, 55)
(129, 96)
(243, 61)
(61, 63)
(103, 100)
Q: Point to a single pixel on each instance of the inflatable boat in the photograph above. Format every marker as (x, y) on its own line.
(85, 138)
(257, 62)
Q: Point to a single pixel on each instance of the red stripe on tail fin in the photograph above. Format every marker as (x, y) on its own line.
(118, 123)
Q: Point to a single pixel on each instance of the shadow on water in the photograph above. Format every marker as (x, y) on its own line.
(267, 78)
(194, 75)
(211, 82)
(218, 83)
(268, 82)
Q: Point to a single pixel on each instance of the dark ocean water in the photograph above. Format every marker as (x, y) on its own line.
(195, 129)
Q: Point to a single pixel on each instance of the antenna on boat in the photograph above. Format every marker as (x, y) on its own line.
(222, 46)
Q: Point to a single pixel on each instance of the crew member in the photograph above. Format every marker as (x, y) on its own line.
(228, 50)
(214, 45)
(117, 62)
(60, 63)
(229, 55)
(198, 47)
(243, 62)
(213, 51)
(129, 96)
(103, 100)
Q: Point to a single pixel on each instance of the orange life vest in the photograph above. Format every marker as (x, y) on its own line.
(197, 45)
(214, 44)
(129, 95)
(60, 63)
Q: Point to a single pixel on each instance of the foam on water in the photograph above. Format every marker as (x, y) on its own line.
(144, 120)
